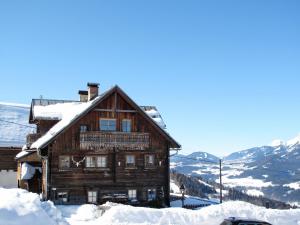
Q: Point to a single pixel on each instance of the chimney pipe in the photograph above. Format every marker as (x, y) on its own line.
(92, 90)
(83, 95)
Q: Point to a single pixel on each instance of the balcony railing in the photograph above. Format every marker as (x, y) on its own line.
(30, 138)
(109, 140)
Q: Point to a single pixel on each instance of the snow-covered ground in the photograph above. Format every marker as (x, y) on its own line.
(21, 207)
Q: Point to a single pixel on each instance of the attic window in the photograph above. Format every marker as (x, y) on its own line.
(108, 125)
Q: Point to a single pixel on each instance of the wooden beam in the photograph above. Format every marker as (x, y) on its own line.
(117, 110)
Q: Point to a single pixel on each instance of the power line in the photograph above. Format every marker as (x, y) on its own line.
(17, 123)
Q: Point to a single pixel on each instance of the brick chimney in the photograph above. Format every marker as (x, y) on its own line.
(92, 90)
(83, 95)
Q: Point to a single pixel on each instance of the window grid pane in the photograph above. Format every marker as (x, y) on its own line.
(92, 196)
(126, 125)
(108, 125)
(96, 161)
(149, 160)
(132, 194)
(130, 160)
(101, 161)
(83, 128)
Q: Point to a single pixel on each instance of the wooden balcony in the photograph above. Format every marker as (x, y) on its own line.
(110, 140)
(30, 138)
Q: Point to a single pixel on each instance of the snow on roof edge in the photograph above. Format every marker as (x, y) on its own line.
(72, 114)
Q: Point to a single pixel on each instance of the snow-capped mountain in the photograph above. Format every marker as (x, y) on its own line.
(270, 171)
(14, 124)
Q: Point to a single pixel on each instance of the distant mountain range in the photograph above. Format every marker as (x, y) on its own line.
(270, 171)
(14, 124)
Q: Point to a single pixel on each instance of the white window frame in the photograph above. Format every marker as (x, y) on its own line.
(130, 161)
(102, 161)
(151, 194)
(108, 126)
(92, 196)
(96, 161)
(132, 194)
(64, 195)
(90, 161)
(126, 125)
(147, 160)
(62, 161)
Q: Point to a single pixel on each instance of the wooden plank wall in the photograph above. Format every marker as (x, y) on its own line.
(7, 158)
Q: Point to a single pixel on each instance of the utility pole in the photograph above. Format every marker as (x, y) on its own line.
(221, 196)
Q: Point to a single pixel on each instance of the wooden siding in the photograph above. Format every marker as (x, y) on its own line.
(7, 158)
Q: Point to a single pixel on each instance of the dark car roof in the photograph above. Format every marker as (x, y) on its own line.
(239, 219)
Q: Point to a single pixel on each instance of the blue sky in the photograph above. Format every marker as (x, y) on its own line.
(224, 74)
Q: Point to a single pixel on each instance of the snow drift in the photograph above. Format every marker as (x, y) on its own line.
(18, 206)
(21, 207)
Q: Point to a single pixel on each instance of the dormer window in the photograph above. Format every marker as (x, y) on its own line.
(108, 125)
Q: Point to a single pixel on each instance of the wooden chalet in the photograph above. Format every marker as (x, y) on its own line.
(102, 148)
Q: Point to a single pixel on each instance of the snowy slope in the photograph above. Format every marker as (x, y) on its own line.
(21, 207)
(14, 124)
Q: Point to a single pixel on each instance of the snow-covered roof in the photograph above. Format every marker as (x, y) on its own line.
(155, 115)
(23, 153)
(49, 109)
(66, 112)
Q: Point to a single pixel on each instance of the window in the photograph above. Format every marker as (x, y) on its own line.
(149, 160)
(64, 161)
(101, 161)
(130, 161)
(96, 161)
(83, 128)
(62, 196)
(126, 125)
(92, 196)
(90, 161)
(151, 194)
(132, 194)
(107, 124)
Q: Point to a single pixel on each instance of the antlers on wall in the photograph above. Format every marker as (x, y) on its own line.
(78, 162)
